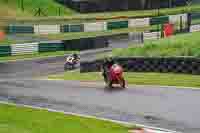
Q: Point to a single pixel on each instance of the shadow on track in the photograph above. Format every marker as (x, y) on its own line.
(113, 89)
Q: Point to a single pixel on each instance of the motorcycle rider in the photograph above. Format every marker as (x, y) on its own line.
(107, 64)
(72, 58)
(75, 56)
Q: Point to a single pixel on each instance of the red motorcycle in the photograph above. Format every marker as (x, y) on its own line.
(115, 76)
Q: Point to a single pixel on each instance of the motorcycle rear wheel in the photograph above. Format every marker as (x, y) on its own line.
(109, 83)
(122, 83)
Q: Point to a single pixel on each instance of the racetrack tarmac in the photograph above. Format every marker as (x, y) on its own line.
(31, 68)
(41, 67)
(165, 107)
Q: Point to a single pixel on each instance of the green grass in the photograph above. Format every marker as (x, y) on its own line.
(49, 7)
(179, 45)
(163, 79)
(34, 56)
(25, 120)
(12, 41)
(7, 41)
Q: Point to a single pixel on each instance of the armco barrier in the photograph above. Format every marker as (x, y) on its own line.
(136, 37)
(119, 40)
(76, 28)
(5, 51)
(46, 29)
(24, 48)
(51, 46)
(142, 22)
(117, 25)
(116, 37)
(159, 20)
(86, 43)
(13, 29)
(64, 28)
(146, 64)
(98, 26)
(151, 35)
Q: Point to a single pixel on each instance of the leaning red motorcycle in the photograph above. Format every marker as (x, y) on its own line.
(116, 76)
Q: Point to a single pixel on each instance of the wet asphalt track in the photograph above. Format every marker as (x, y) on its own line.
(165, 107)
(175, 109)
(41, 67)
(31, 68)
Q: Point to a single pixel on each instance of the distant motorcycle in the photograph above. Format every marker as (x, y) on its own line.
(115, 76)
(71, 62)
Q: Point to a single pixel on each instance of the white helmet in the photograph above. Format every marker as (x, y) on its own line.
(70, 59)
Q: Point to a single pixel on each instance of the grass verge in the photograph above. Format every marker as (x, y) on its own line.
(12, 41)
(69, 15)
(178, 45)
(48, 8)
(162, 79)
(25, 120)
(34, 56)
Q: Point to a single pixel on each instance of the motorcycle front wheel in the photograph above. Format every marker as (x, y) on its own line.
(68, 67)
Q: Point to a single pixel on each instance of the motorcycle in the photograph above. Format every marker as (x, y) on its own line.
(71, 63)
(115, 76)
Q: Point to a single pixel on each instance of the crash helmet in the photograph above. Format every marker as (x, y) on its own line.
(69, 59)
(109, 58)
(75, 55)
